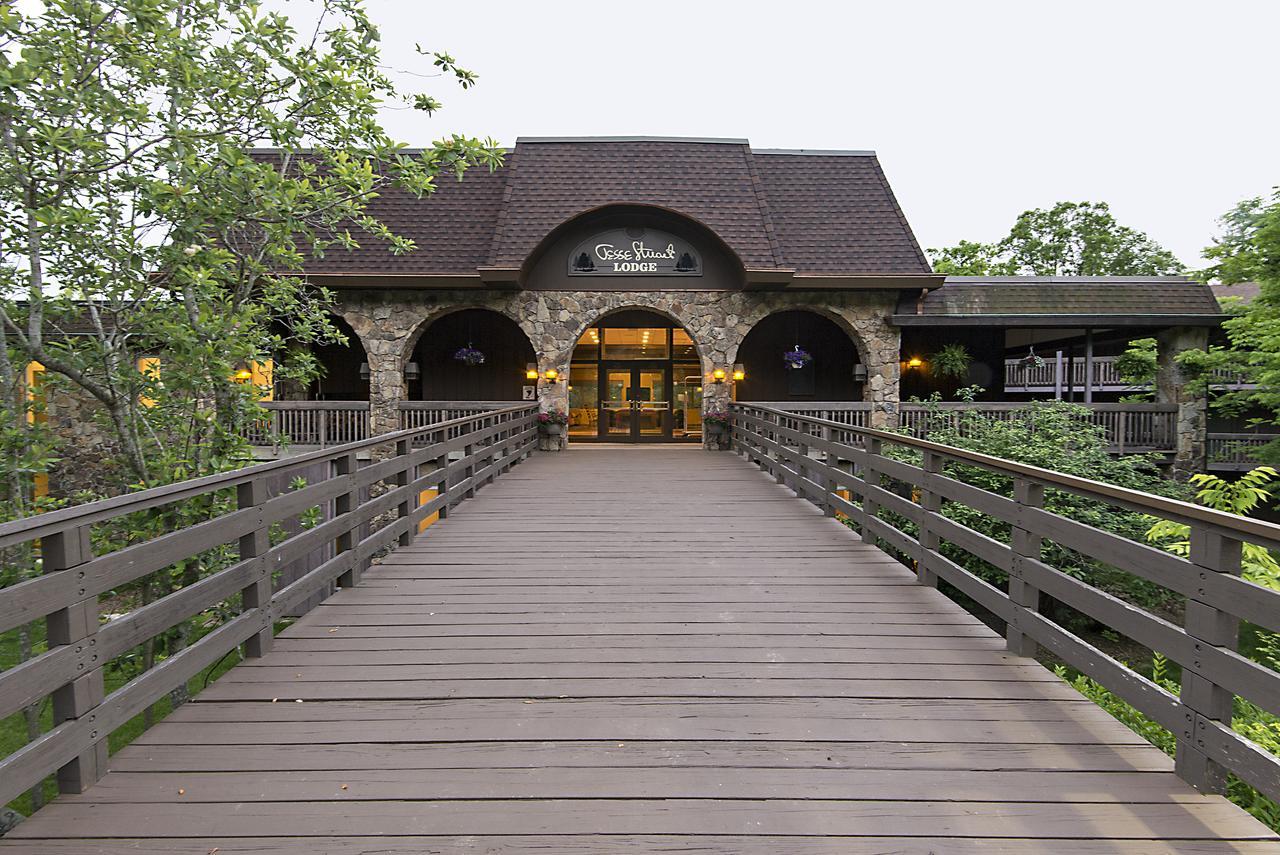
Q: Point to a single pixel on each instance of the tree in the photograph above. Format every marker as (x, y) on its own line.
(134, 219)
(1069, 239)
(1248, 251)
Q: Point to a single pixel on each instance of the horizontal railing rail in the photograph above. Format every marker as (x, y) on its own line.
(844, 469)
(1021, 376)
(1131, 428)
(363, 510)
(1236, 451)
(414, 414)
(309, 423)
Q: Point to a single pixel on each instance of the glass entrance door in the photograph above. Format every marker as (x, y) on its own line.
(635, 404)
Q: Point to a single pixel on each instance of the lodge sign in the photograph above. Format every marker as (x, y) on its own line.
(634, 252)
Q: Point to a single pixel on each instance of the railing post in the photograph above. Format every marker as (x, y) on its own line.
(345, 503)
(441, 464)
(930, 502)
(1024, 545)
(869, 474)
(257, 594)
(77, 625)
(403, 449)
(1211, 552)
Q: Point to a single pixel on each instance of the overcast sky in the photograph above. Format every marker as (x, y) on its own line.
(978, 110)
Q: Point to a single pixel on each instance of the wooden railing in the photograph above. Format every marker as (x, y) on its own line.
(1237, 452)
(820, 459)
(1022, 377)
(310, 423)
(365, 510)
(422, 413)
(1131, 428)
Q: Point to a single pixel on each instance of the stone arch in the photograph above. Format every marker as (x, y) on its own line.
(637, 301)
(435, 313)
(832, 376)
(495, 333)
(342, 376)
(752, 319)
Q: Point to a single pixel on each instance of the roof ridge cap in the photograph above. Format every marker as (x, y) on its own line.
(762, 203)
(500, 225)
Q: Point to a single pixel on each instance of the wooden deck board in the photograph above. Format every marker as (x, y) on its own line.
(639, 650)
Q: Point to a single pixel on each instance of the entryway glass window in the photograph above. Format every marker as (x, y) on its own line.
(635, 377)
(642, 343)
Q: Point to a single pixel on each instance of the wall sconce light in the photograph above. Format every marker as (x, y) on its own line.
(364, 371)
(739, 372)
(859, 373)
(915, 362)
(411, 371)
(718, 375)
(530, 371)
(551, 375)
(243, 375)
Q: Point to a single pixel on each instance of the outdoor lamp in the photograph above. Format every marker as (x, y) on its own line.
(915, 362)
(718, 375)
(244, 375)
(551, 374)
(411, 371)
(530, 371)
(739, 372)
(364, 371)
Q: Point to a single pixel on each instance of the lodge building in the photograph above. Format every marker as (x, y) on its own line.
(638, 283)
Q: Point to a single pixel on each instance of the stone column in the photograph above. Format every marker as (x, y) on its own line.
(386, 384)
(1173, 387)
(553, 396)
(883, 354)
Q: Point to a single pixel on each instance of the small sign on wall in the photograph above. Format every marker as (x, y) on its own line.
(529, 393)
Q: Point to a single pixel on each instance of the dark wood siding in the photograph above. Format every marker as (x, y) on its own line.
(501, 378)
(828, 378)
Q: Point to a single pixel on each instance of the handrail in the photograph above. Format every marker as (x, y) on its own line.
(1180, 511)
(51, 521)
(850, 474)
(362, 510)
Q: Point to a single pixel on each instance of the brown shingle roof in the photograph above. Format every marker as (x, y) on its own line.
(1118, 300)
(835, 213)
(708, 181)
(819, 212)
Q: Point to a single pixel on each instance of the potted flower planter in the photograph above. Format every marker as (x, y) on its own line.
(552, 422)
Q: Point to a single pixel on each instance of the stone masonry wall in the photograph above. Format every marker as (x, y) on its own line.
(390, 322)
(1172, 387)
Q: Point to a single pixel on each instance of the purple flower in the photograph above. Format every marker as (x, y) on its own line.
(469, 356)
(797, 358)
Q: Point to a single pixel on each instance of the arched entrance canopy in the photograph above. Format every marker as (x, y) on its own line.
(646, 247)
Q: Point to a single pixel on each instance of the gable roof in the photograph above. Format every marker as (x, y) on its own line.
(827, 213)
(1058, 300)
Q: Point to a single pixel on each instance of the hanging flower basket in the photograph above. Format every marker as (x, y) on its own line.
(469, 356)
(797, 358)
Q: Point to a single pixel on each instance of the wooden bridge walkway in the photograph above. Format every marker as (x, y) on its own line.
(639, 650)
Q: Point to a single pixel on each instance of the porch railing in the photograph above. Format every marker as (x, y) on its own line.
(1131, 428)
(415, 414)
(1021, 377)
(230, 523)
(1237, 452)
(898, 506)
(310, 423)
